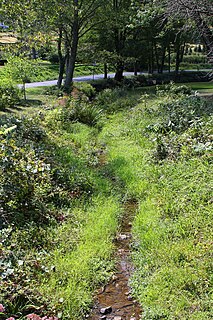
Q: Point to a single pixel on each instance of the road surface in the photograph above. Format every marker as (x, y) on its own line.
(82, 78)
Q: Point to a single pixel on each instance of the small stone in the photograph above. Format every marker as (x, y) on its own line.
(106, 310)
(123, 237)
(117, 318)
(129, 298)
(132, 318)
(103, 317)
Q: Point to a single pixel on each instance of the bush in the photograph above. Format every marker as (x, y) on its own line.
(173, 89)
(25, 179)
(102, 84)
(195, 59)
(183, 128)
(9, 96)
(78, 111)
(85, 89)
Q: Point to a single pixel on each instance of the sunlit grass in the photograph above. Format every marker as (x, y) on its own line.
(78, 272)
(201, 86)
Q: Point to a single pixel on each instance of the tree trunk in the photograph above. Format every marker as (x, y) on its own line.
(162, 59)
(73, 52)
(156, 55)
(177, 62)
(169, 58)
(182, 49)
(34, 55)
(105, 71)
(61, 61)
(119, 72)
(151, 62)
(135, 68)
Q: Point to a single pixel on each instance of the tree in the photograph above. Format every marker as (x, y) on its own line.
(70, 20)
(113, 33)
(20, 69)
(201, 13)
(22, 19)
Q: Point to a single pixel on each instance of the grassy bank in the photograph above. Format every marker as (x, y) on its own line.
(65, 174)
(168, 169)
(65, 216)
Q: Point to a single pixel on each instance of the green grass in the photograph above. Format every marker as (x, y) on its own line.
(172, 230)
(81, 270)
(171, 246)
(201, 86)
(37, 100)
(78, 271)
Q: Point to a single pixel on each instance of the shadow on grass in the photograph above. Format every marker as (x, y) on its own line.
(31, 103)
(24, 104)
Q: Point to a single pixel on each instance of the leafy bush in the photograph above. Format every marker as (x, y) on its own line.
(112, 100)
(78, 111)
(9, 96)
(25, 182)
(54, 58)
(183, 128)
(102, 84)
(86, 89)
(173, 89)
(194, 59)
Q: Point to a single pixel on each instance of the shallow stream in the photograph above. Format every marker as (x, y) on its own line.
(114, 300)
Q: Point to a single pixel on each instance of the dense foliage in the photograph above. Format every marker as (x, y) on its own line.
(9, 96)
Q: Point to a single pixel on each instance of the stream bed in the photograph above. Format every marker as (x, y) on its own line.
(114, 300)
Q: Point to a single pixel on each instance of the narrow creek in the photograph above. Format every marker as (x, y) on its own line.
(114, 300)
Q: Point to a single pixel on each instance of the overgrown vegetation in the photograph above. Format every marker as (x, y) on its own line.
(10, 96)
(64, 175)
(161, 153)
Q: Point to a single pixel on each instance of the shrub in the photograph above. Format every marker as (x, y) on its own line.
(183, 128)
(173, 89)
(78, 111)
(25, 180)
(9, 96)
(102, 84)
(86, 89)
(112, 100)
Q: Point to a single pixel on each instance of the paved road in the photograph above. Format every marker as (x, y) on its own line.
(83, 78)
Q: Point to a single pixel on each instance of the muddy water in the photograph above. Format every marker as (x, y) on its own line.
(114, 301)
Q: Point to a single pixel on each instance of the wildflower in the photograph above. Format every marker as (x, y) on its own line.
(2, 308)
(11, 318)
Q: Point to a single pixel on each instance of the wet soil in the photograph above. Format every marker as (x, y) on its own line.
(114, 301)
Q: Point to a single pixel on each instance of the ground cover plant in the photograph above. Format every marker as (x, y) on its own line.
(45, 187)
(172, 237)
(67, 170)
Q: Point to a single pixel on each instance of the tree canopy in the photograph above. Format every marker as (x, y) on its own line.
(145, 34)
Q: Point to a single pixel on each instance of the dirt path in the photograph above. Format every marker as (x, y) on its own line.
(114, 301)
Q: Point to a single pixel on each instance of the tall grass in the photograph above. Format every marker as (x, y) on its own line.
(172, 229)
(79, 271)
